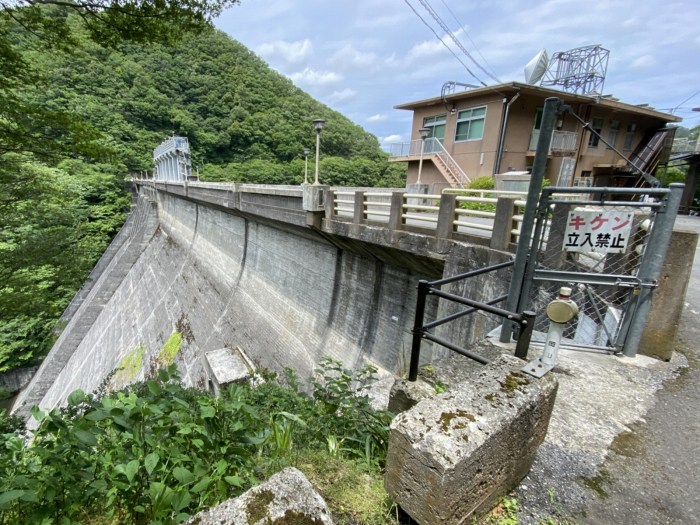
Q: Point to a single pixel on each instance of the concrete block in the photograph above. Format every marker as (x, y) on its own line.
(406, 394)
(451, 457)
(667, 302)
(227, 366)
(314, 197)
(286, 498)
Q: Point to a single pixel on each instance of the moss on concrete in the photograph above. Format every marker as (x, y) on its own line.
(256, 508)
(170, 349)
(130, 365)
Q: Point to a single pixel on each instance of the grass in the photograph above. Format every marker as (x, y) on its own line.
(354, 494)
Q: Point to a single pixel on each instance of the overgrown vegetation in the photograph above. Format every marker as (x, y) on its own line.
(77, 117)
(157, 452)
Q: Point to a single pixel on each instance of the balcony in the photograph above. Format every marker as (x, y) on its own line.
(563, 142)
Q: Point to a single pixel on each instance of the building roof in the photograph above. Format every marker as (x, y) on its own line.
(511, 88)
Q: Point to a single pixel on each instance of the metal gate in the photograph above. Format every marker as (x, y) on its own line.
(608, 245)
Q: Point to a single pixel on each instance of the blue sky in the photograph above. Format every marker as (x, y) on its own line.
(362, 57)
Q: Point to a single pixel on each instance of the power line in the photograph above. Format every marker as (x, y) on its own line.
(443, 42)
(686, 100)
(461, 26)
(426, 5)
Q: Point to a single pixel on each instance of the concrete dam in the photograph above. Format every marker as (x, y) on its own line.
(230, 265)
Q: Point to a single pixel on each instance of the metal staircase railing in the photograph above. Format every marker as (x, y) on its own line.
(431, 149)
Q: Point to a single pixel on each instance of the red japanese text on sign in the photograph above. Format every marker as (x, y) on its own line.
(597, 231)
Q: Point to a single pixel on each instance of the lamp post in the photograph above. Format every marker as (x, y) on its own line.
(318, 124)
(424, 132)
(306, 165)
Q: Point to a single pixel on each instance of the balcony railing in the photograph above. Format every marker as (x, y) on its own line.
(562, 141)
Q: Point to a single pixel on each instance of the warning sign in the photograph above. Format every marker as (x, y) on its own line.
(597, 231)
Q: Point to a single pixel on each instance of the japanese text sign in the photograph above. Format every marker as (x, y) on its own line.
(597, 231)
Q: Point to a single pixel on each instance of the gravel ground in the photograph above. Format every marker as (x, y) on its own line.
(624, 440)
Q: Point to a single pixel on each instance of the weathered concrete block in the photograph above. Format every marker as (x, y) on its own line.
(287, 497)
(664, 318)
(226, 366)
(313, 198)
(406, 394)
(451, 457)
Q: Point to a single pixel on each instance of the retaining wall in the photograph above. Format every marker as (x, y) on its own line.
(285, 294)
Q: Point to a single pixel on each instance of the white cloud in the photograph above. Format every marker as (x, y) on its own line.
(291, 52)
(311, 77)
(377, 118)
(643, 62)
(342, 95)
(426, 49)
(348, 55)
(389, 139)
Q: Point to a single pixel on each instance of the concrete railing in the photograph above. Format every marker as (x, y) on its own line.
(448, 216)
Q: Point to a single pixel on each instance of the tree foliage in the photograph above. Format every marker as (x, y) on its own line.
(89, 90)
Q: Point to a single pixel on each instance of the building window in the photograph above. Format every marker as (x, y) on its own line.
(470, 124)
(629, 136)
(612, 135)
(597, 127)
(437, 126)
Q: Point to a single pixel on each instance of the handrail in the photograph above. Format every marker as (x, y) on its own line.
(421, 330)
(450, 164)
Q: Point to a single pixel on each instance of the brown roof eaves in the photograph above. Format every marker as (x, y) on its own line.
(509, 89)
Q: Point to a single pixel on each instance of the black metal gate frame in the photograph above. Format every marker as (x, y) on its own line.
(532, 273)
(421, 330)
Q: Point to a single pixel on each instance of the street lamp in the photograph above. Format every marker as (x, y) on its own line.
(318, 124)
(424, 132)
(306, 165)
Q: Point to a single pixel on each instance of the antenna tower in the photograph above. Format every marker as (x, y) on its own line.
(580, 70)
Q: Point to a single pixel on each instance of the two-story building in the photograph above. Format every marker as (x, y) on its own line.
(494, 129)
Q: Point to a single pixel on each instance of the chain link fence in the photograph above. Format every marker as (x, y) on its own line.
(595, 246)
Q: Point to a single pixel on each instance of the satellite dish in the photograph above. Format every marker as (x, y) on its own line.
(536, 68)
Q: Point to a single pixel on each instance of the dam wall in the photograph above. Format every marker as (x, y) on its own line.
(226, 273)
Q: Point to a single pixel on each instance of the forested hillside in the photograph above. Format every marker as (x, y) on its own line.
(62, 195)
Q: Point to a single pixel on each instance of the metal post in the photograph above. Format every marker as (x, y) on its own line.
(318, 145)
(651, 265)
(526, 327)
(420, 162)
(423, 288)
(552, 106)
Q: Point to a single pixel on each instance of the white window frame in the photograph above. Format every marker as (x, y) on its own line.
(597, 124)
(470, 119)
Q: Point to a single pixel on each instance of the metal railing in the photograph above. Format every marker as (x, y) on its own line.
(431, 146)
(563, 141)
(421, 329)
(685, 145)
(172, 144)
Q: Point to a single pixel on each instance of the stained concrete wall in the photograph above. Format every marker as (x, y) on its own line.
(284, 293)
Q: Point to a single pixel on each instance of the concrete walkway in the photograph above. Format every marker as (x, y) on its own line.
(653, 472)
(624, 439)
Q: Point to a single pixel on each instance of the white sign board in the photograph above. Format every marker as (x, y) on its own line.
(597, 231)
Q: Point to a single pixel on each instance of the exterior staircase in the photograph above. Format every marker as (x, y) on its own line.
(435, 152)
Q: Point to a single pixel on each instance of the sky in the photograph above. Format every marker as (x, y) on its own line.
(363, 57)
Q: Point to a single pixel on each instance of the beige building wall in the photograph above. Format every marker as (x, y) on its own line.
(623, 125)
